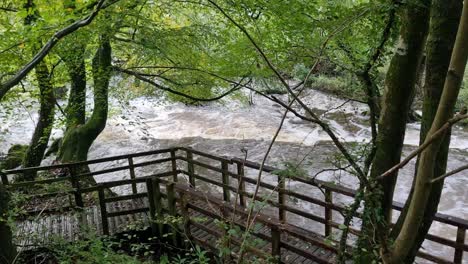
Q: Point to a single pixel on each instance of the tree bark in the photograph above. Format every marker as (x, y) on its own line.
(445, 17)
(7, 249)
(76, 108)
(400, 82)
(399, 88)
(423, 187)
(40, 139)
(20, 74)
(78, 139)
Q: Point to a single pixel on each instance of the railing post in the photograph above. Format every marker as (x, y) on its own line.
(281, 199)
(76, 185)
(152, 206)
(328, 212)
(102, 205)
(174, 165)
(185, 214)
(226, 192)
(132, 175)
(157, 199)
(241, 184)
(276, 244)
(4, 178)
(458, 256)
(171, 204)
(190, 168)
(226, 239)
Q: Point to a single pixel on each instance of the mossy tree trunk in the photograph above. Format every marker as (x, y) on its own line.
(40, 139)
(76, 108)
(423, 187)
(79, 138)
(445, 17)
(399, 88)
(7, 249)
(45, 122)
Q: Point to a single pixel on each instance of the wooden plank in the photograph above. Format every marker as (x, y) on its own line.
(131, 168)
(76, 185)
(458, 256)
(190, 167)
(174, 165)
(171, 206)
(225, 181)
(128, 212)
(241, 184)
(104, 214)
(276, 244)
(328, 212)
(126, 197)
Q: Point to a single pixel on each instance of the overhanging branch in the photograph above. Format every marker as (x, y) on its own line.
(6, 86)
(140, 76)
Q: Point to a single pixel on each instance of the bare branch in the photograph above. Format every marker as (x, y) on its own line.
(167, 89)
(450, 173)
(325, 127)
(439, 133)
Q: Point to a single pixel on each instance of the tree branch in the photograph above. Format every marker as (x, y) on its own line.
(325, 127)
(436, 135)
(450, 173)
(139, 76)
(5, 87)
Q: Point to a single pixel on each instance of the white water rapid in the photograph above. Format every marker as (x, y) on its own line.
(224, 128)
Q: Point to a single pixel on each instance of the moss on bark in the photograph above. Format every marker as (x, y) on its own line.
(7, 249)
(40, 139)
(445, 16)
(79, 138)
(399, 89)
(423, 187)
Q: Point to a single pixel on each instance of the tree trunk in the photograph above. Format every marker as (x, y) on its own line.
(78, 139)
(40, 139)
(445, 17)
(76, 108)
(425, 173)
(7, 249)
(399, 88)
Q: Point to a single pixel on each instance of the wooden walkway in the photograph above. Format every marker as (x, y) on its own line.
(70, 226)
(192, 185)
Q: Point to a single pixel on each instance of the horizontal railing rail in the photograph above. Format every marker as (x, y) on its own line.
(222, 166)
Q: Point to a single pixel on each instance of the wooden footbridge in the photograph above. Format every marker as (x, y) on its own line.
(297, 219)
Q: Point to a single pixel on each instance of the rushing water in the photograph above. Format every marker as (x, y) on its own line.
(226, 127)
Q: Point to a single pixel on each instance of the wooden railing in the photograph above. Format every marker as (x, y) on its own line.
(230, 176)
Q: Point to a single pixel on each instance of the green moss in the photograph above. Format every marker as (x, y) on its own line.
(14, 157)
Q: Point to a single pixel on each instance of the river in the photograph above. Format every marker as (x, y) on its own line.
(228, 126)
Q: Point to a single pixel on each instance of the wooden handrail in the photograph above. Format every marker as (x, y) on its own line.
(88, 162)
(327, 203)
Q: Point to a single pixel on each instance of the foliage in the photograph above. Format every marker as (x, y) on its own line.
(91, 250)
(342, 85)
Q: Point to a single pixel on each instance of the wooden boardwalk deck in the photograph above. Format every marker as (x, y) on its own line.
(71, 225)
(214, 182)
